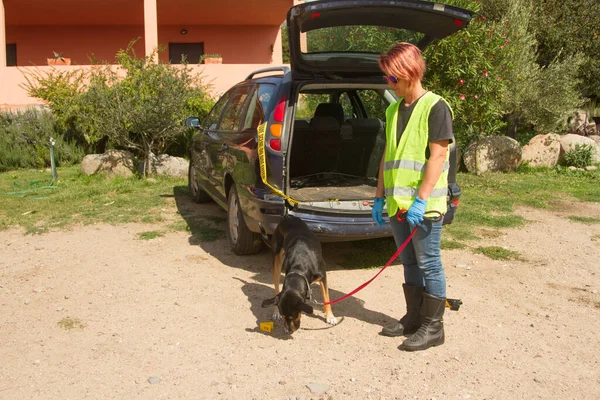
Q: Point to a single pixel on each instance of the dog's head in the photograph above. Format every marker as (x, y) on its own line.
(291, 305)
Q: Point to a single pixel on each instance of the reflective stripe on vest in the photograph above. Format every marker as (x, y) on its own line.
(405, 162)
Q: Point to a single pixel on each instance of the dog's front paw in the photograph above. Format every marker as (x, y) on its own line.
(276, 316)
(331, 320)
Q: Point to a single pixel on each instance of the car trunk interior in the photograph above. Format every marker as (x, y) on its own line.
(333, 157)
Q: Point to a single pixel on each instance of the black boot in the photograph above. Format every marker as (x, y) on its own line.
(431, 333)
(413, 318)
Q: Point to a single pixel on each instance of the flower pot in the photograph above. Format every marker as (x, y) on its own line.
(213, 60)
(59, 61)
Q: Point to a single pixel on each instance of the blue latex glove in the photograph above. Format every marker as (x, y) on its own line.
(416, 212)
(377, 211)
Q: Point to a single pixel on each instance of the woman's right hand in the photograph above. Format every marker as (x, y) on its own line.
(377, 211)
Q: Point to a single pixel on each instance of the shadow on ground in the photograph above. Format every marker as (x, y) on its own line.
(207, 224)
(347, 308)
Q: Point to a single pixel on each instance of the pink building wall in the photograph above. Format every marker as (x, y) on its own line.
(36, 43)
(246, 44)
(245, 32)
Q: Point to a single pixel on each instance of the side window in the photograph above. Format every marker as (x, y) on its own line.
(213, 117)
(346, 105)
(232, 114)
(374, 104)
(258, 104)
(308, 102)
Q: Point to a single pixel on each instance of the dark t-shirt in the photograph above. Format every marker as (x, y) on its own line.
(440, 121)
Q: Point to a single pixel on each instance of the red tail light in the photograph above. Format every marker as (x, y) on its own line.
(455, 203)
(275, 144)
(458, 22)
(279, 112)
(315, 15)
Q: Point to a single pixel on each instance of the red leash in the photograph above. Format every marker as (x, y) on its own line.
(396, 254)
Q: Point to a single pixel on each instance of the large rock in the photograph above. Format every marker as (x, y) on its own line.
(542, 151)
(112, 163)
(166, 165)
(578, 121)
(494, 153)
(570, 141)
(595, 138)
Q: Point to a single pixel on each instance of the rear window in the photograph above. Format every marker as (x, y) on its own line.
(374, 104)
(307, 104)
(261, 97)
(356, 39)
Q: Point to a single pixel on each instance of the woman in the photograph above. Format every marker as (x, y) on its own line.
(413, 177)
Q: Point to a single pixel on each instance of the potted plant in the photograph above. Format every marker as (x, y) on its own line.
(58, 59)
(211, 59)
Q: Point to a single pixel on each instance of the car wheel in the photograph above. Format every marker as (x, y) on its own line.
(199, 195)
(241, 239)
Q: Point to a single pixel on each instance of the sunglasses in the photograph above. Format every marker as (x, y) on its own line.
(390, 78)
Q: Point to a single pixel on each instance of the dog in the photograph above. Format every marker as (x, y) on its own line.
(298, 251)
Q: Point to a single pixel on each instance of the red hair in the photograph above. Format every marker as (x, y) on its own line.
(404, 61)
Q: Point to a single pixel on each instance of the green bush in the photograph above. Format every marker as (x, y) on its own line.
(62, 91)
(469, 70)
(539, 97)
(580, 156)
(140, 106)
(567, 28)
(25, 141)
(198, 105)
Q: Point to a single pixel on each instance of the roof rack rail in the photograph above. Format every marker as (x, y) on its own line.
(285, 70)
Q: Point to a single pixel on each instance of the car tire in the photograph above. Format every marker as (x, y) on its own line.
(198, 194)
(241, 239)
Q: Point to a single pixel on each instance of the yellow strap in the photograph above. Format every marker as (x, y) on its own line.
(263, 164)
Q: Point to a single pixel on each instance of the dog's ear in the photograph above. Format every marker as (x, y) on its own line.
(270, 302)
(305, 308)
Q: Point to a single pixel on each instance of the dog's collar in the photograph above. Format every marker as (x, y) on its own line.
(309, 291)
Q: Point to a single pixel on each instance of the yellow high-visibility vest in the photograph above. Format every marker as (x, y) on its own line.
(404, 162)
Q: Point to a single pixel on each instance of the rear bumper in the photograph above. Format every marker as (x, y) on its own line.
(344, 228)
(263, 217)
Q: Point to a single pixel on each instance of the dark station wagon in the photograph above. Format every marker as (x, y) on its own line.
(325, 125)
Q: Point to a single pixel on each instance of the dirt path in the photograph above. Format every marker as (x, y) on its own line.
(167, 318)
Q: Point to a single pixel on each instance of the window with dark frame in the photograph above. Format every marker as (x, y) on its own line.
(11, 54)
(232, 114)
(191, 52)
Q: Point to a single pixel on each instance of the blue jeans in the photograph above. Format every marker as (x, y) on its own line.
(422, 257)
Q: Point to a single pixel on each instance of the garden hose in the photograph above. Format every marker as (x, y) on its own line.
(22, 193)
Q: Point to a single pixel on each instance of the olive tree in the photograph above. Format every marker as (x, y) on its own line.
(142, 105)
(139, 105)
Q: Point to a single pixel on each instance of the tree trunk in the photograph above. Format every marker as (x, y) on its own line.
(148, 157)
(513, 123)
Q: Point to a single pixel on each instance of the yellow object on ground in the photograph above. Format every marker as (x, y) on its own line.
(266, 326)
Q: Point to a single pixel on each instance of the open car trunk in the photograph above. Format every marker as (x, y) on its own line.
(336, 146)
(335, 150)
(331, 186)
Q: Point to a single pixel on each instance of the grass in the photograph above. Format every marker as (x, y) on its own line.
(490, 200)
(487, 206)
(369, 253)
(78, 199)
(584, 220)
(199, 229)
(150, 235)
(499, 253)
(70, 323)
(452, 244)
